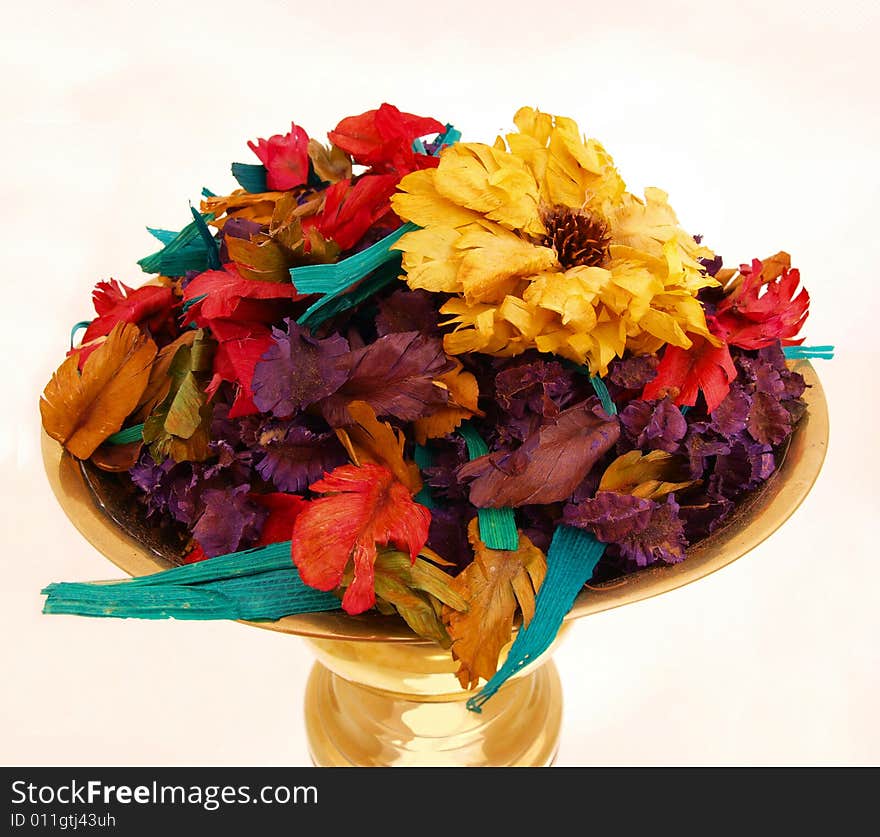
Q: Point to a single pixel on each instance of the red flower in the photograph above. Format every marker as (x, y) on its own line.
(351, 209)
(286, 158)
(149, 307)
(383, 139)
(682, 373)
(365, 507)
(239, 348)
(751, 319)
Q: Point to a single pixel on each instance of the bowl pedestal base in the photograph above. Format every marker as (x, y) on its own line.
(354, 719)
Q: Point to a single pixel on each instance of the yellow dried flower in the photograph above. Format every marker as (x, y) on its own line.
(542, 247)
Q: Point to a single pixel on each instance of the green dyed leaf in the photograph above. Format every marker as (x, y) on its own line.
(180, 425)
(416, 592)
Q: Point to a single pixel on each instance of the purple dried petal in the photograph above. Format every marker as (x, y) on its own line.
(634, 418)
(633, 372)
(701, 519)
(700, 444)
(298, 370)
(395, 376)
(447, 535)
(730, 416)
(769, 422)
(542, 388)
(231, 521)
(654, 425)
(296, 456)
(662, 539)
(407, 310)
(665, 429)
(713, 265)
(747, 465)
(611, 516)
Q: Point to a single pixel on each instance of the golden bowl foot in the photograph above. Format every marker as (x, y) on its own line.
(352, 725)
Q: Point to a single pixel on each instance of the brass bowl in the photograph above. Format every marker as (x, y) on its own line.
(380, 695)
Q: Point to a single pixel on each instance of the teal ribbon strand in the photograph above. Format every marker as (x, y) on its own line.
(332, 304)
(808, 352)
(126, 436)
(78, 327)
(571, 561)
(212, 246)
(339, 276)
(497, 526)
(604, 396)
(257, 584)
(184, 251)
(424, 458)
(251, 177)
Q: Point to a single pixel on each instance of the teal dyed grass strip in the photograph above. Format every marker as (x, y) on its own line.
(165, 236)
(497, 526)
(604, 396)
(808, 352)
(212, 246)
(424, 459)
(250, 176)
(418, 146)
(256, 584)
(338, 277)
(127, 435)
(571, 561)
(449, 137)
(78, 327)
(185, 252)
(684, 408)
(207, 193)
(190, 302)
(332, 304)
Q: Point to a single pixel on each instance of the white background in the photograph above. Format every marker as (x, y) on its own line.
(759, 118)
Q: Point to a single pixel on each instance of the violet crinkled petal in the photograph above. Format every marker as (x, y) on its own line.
(406, 310)
(295, 456)
(769, 422)
(662, 539)
(633, 372)
(654, 425)
(231, 520)
(298, 370)
(610, 516)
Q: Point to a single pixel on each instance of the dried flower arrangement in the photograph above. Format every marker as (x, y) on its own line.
(450, 380)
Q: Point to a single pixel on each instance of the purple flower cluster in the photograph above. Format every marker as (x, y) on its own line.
(549, 439)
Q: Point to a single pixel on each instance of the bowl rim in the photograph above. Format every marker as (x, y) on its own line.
(756, 517)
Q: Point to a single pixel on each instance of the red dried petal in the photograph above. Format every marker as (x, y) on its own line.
(682, 373)
(286, 158)
(760, 313)
(384, 137)
(365, 507)
(226, 292)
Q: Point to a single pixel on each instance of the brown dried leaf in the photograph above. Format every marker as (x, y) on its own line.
(261, 260)
(493, 586)
(331, 164)
(117, 458)
(371, 440)
(82, 410)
